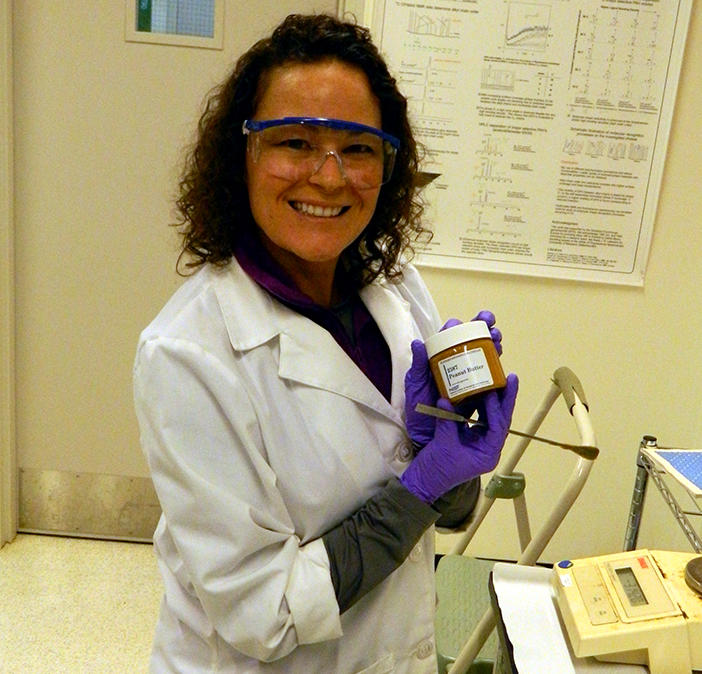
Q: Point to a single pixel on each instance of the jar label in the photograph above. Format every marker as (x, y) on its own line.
(465, 372)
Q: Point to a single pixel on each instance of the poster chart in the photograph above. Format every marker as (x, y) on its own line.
(545, 123)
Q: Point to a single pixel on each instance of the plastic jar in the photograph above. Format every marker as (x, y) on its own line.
(464, 361)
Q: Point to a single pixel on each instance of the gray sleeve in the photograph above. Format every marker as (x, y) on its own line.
(370, 544)
(457, 504)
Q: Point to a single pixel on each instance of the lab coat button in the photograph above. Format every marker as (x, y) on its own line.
(425, 649)
(415, 554)
(403, 452)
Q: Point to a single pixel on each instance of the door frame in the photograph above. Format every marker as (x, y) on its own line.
(8, 447)
(359, 9)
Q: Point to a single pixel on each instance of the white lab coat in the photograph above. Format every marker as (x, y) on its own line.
(261, 434)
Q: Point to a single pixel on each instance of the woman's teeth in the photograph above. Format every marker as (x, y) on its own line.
(317, 211)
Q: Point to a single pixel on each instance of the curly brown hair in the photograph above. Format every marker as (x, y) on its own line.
(213, 201)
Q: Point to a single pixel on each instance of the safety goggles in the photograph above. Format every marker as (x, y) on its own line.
(295, 148)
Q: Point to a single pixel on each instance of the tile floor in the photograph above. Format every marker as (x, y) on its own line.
(76, 606)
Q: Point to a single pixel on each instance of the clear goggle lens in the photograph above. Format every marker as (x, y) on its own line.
(294, 148)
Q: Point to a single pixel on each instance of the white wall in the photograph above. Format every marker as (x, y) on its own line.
(637, 352)
(98, 127)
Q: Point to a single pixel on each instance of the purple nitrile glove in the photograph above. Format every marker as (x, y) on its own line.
(420, 388)
(495, 333)
(459, 453)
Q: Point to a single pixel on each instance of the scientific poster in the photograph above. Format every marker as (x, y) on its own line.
(546, 125)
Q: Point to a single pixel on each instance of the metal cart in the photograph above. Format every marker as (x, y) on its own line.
(666, 466)
(462, 581)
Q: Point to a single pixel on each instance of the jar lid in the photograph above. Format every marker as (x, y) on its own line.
(464, 332)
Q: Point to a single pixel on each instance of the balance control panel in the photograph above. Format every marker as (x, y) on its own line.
(632, 607)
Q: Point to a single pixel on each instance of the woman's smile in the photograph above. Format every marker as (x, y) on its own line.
(318, 211)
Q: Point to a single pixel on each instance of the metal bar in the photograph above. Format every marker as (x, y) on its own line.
(631, 535)
(522, 516)
(586, 451)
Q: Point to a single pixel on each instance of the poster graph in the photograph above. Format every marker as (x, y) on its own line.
(546, 125)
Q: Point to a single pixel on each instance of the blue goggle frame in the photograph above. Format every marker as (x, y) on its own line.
(254, 125)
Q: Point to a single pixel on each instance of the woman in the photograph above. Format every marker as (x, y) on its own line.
(297, 527)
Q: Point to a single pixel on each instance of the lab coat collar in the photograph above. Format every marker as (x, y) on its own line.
(251, 315)
(308, 353)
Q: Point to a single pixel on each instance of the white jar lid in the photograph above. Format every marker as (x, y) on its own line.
(458, 334)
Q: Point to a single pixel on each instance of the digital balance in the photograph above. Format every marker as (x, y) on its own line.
(638, 607)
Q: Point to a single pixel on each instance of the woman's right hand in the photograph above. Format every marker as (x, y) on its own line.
(420, 388)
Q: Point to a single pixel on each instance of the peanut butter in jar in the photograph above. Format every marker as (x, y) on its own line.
(464, 361)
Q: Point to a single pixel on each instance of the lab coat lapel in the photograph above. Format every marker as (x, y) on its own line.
(308, 353)
(393, 316)
(311, 355)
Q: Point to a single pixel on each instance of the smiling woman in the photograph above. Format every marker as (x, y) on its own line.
(214, 197)
(330, 209)
(271, 390)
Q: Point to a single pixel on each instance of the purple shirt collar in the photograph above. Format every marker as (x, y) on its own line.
(361, 339)
(262, 268)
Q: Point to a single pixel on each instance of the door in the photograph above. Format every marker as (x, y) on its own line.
(99, 123)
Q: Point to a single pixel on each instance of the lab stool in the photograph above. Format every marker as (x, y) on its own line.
(462, 598)
(465, 619)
